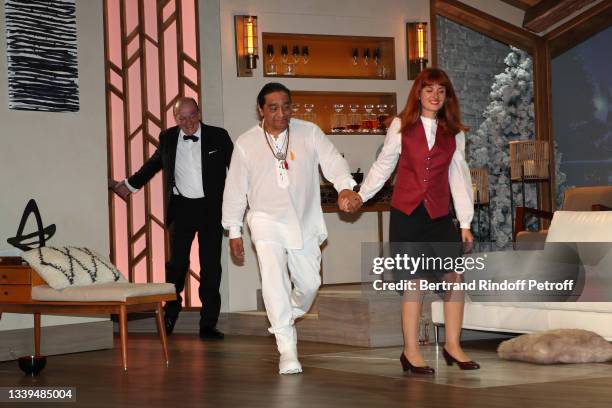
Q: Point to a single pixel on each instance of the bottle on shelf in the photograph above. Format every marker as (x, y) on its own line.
(338, 119)
(369, 120)
(383, 115)
(354, 119)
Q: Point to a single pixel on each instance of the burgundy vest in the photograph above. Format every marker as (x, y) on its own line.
(422, 173)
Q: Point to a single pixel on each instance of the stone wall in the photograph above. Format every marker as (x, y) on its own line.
(471, 60)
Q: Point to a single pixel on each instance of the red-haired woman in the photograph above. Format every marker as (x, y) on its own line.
(427, 137)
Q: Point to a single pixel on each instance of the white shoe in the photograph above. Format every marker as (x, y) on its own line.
(286, 342)
(289, 363)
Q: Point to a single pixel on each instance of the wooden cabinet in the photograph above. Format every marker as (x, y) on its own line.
(318, 107)
(328, 56)
(15, 280)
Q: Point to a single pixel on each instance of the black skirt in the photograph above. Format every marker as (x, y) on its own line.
(417, 235)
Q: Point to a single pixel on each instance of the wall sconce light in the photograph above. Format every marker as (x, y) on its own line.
(246, 44)
(416, 41)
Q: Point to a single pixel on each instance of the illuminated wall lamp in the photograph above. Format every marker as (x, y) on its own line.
(246, 44)
(416, 42)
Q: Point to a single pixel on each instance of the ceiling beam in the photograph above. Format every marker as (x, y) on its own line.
(547, 13)
(522, 4)
(579, 28)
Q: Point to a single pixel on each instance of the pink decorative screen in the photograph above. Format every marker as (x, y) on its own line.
(152, 58)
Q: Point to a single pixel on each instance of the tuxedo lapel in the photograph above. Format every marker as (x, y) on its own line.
(204, 142)
(172, 143)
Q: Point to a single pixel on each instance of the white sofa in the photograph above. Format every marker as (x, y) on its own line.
(528, 317)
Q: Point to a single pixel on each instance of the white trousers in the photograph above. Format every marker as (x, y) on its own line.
(279, 268)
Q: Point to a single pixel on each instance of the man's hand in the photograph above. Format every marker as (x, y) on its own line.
(349, 201)
(468, 240)
(237, 249)
(119, 188)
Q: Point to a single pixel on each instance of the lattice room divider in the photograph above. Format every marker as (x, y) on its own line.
(151, 58)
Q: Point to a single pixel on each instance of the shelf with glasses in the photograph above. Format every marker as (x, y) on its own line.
(346, 113)
(328, 56)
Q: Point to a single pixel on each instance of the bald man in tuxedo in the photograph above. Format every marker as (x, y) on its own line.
(194, 158)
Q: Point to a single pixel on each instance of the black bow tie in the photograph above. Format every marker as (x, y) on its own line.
(190, 137)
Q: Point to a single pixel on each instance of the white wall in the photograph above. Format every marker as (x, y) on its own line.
(59, 159)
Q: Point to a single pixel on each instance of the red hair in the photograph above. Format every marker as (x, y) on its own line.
(449, 115)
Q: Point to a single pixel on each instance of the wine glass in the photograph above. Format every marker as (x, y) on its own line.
(338, 119)
(366, 56)
(309, 115)
(295, 109)
(355, 56)
(284, 53)
(271, 65)
(305, 54)
(296, 54)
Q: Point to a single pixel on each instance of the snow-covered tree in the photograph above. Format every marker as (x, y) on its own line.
(509, 116)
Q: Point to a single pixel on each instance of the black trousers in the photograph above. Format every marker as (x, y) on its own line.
(191, 217)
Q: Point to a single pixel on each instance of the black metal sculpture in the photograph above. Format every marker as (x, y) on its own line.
(43, 234)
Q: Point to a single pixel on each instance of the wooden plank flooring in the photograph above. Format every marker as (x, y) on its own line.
(241, 371)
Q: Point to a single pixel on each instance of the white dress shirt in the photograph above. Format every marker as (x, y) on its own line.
(458, 172)
(286, 211)
(187, 167)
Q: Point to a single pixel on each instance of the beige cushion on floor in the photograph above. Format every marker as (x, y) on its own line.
(557, 346)
(110, 292)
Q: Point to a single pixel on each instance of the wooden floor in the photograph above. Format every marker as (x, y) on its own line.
(241, 371)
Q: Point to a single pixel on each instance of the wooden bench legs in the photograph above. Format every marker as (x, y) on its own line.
(37, 334)
(121, 312)
(161, 329)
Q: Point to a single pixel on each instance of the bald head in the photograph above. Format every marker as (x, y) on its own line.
(187, 115)
(184, 100)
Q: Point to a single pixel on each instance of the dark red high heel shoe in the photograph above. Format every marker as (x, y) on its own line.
(413, 369)
(464, 365)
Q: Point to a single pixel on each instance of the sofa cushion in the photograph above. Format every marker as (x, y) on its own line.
(109, 292)
(580, 226)
(62, 267)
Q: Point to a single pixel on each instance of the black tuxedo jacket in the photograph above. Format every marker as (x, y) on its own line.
(217, 150)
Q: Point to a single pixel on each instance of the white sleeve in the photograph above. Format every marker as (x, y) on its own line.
(461, 184)
(385, 163)
(333, 165)
(129, 186)
(235, 194)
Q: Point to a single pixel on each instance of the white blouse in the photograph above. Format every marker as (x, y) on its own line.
(458, 172)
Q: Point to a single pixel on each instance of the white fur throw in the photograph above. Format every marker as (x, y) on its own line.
(557, 346)
(62, 267)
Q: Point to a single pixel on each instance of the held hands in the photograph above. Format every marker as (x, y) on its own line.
(349, 201)
(119, 188)
(237, 250)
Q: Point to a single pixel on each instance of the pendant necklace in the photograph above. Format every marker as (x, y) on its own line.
(280, 154)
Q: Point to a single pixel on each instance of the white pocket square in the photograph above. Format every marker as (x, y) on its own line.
(213, 151)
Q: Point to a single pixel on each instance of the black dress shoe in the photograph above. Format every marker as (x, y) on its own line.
(211, 333)
(464, 365)
(169, 322)
(406, 366)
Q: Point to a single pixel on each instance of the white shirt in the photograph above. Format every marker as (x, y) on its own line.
(187, 167)
(458, 172)
(285, 213)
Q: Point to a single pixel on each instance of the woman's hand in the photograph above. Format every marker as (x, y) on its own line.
(468, 240)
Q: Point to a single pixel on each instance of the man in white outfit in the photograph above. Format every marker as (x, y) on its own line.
(275, 170)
